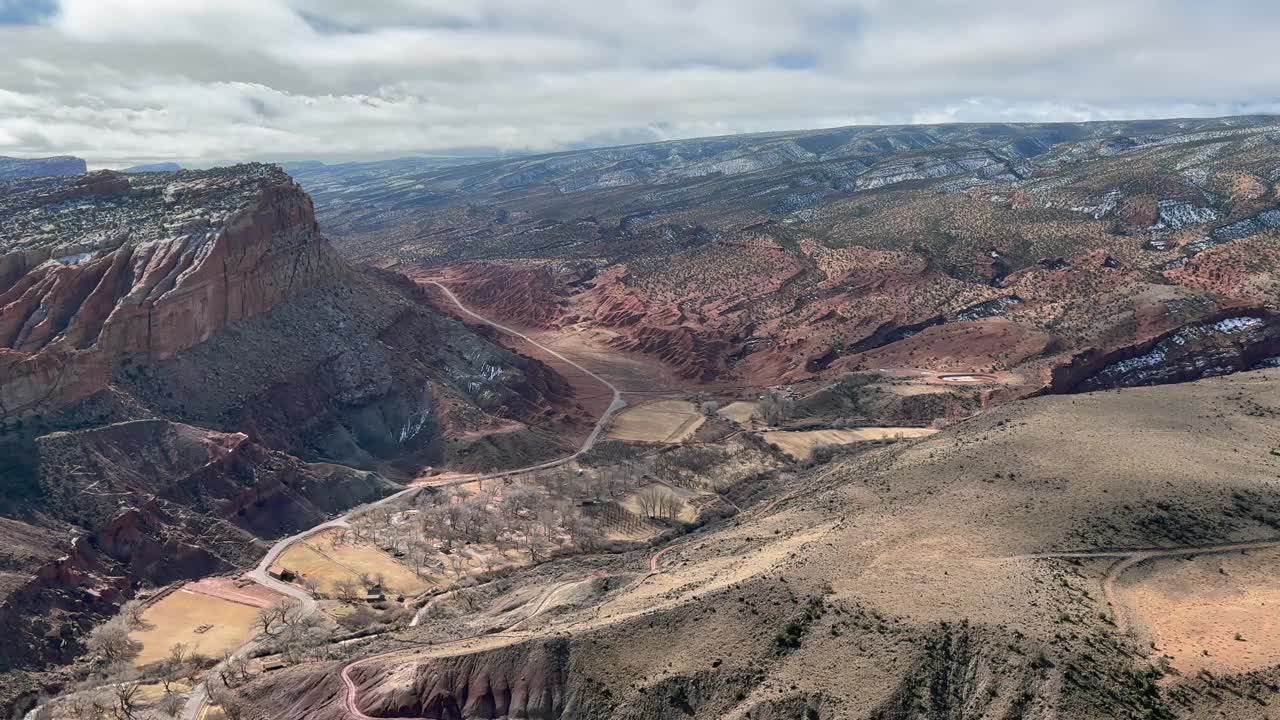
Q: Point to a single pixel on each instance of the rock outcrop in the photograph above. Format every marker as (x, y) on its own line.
(523, 681)
(104, 266)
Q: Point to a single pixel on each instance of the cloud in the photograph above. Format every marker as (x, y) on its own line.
(214, 81)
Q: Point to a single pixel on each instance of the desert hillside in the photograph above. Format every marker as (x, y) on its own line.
(1059, 256)
(976, 573)
(188, 369)
(639, 360)
(865, 423)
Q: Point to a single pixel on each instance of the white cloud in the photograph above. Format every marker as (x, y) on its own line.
(211, 81)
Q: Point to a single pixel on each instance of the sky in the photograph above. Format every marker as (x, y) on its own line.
(204, 82)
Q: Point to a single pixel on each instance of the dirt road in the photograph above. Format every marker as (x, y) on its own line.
(1126, 559)
(199, 695)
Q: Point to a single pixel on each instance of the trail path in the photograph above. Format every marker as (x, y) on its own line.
(1126, 559)
(199, 696)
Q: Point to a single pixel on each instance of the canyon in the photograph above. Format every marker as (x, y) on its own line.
(189, 369)
(793, 257)
(867, 422)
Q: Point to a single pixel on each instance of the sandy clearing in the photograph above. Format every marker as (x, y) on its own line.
(1190, 606)
(664, 421)
(327, 560)
(178, 616)
(800, 444)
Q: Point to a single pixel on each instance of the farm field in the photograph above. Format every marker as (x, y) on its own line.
(178, 617)
(799, 444)
(665, 421)
(328, 560)
(740, 412)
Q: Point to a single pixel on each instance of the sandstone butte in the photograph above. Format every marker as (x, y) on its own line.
(152, 265)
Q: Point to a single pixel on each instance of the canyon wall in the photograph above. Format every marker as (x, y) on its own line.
(76, 305)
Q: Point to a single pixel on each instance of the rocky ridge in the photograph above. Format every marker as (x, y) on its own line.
(786, 257)
(13, 168)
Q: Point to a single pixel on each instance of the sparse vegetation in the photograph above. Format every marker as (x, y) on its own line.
(792, 634)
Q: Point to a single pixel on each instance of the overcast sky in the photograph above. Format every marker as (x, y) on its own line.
(212, 81)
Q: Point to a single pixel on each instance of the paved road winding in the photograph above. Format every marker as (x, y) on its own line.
(199, 695)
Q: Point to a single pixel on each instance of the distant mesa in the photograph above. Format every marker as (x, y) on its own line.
(154, 167)
(15, 168)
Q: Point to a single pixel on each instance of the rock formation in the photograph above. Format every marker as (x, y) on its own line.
(187, 369)
(102, 267)
(789, 257)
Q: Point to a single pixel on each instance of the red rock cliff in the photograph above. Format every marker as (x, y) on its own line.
(149, 270)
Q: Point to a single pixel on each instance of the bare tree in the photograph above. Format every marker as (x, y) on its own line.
(345, 590)
(529, 539)
(295, 613)
(174, 667)
(131, 612)
(586, 533)
(111, 643)
(126, 695)
(358, 529)
(418, 552)
(310, 584)
(458, 563)
(549, 519)
(668, 505)
(774, 408)
(231, 705)
(491, 561)
(91, 707)
(495, 527)
(300, 633)
(232, 668)
(172, 703)
(471, 521)
(440, 522)
(519, 500)
(649, 500)
(272, 615)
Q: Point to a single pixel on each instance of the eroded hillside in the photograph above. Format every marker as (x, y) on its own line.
(188, 369)
(982, 572)
(1055, 253)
